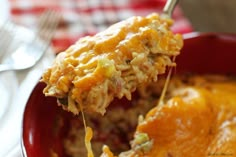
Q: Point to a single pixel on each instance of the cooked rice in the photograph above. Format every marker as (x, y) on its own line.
(112, 64)
(114, 129)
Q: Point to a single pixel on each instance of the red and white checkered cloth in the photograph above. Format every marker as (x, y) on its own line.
(86, 17)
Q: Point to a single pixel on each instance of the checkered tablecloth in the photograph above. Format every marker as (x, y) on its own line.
(86, 17)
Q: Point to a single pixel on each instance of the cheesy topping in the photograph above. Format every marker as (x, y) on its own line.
(198, 120)
(113, 63)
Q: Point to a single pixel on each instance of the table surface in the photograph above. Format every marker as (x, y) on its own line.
(211, 15)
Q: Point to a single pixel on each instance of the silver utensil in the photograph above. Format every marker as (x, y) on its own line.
(169, 7)
(27, 55)
(167, 12)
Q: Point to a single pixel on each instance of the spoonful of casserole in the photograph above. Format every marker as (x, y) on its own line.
(113, 63)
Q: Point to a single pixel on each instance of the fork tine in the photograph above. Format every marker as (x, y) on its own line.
(52, 18)
(47, 25)
(7, 35)
(43, 19)
(45, 22)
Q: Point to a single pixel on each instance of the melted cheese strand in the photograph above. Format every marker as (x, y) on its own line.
(88, 135)
(163, 93)
(87, 140)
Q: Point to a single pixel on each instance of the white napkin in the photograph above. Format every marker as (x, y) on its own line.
(4, 10)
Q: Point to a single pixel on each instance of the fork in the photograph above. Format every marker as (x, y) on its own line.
(27, 55)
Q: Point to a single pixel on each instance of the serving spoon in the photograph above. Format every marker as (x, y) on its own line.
(169, 7)
(167, 12)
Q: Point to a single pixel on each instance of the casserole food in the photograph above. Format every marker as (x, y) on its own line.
(197, 119)
(112, 64)
(45, 126)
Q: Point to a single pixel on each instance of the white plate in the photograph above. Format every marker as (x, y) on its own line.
(15, 88)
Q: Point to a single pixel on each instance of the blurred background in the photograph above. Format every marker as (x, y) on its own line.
(85, 17)
(204, 15)
(211, 15)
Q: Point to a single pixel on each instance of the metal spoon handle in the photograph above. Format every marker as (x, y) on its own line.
(167, 12)
(169, 7)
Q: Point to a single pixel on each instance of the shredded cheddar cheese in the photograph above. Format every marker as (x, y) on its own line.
(112, 63)
(197, 120)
